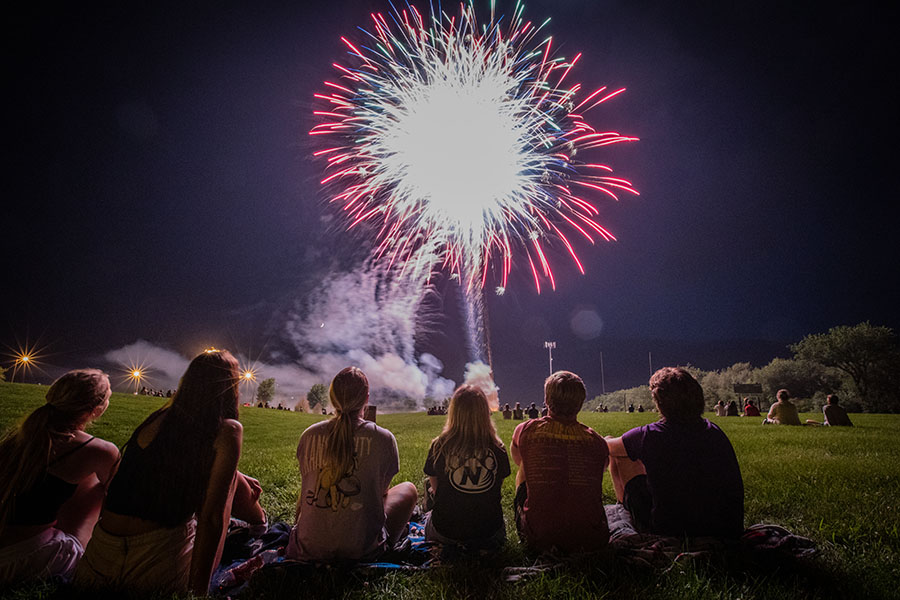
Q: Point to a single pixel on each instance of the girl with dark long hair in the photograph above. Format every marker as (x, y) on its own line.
(53, 477)
(347, 508)
(168, 506)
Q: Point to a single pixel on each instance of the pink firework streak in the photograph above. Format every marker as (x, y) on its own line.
(458, 142)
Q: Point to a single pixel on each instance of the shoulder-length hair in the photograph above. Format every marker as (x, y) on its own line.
(26, 450)
(469, 430)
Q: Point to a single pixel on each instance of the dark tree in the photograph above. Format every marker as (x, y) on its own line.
(317, 396)
(864, 352)
(266, 390)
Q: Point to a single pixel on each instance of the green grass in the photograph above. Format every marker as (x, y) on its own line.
(840, 487)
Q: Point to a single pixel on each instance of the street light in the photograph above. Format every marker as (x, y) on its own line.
(550, 346)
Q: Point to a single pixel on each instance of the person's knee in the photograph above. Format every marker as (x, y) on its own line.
(406, 493)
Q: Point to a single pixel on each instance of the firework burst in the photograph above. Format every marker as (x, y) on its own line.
(460, 139)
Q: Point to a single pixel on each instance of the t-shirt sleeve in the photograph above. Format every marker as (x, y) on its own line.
(429, 462)
(392, 465)
(516, 435)
(633, 440)
(503, 470)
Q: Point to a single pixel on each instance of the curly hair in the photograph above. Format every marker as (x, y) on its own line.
(678, 396)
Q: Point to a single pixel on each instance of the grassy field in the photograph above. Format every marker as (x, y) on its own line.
(840, 487)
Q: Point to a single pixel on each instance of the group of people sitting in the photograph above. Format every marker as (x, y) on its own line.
(783, 412)
(518, 413)
(145, 391)
(155, 517)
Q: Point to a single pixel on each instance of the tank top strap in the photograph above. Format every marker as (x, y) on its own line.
(71, 451)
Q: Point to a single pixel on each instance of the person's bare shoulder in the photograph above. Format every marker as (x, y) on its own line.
(231, 428)
(230, 435)
(103, 450)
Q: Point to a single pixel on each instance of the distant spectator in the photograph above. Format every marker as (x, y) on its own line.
(606, 409)
(466, 466)
(732, 409)
(640, 408)
(533, 412)
(783, 412)
(53, 477)
(631, 408)
(507, 412)
(678, 476)
(559, 500)
(835, 415)
(518, 412)
(750, 408)
(720, 408)
(545, 411)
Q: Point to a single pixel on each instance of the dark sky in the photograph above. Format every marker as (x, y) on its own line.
(160, 185)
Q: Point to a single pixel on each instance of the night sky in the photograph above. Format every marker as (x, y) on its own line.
(160, 183)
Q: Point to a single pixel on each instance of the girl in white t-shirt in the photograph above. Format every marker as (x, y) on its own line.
(347, 508)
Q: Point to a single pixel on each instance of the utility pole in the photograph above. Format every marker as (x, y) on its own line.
(650, 360)
(602, 378)
(550, 346)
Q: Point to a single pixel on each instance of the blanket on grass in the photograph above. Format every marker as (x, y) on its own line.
(245, 555)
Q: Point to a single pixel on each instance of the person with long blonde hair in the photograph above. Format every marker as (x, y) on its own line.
(53, 476)
(347, 508)
(167, 508)
(466, 466)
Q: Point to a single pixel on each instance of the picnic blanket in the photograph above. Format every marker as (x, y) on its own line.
(762, 543)
(244, 555)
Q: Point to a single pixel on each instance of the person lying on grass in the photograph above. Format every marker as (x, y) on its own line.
(347, 509)
(167, 508)
(559, 501)
(678, 476)
(53, 477)
(466, 466)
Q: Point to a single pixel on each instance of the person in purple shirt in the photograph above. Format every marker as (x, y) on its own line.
(678, 476)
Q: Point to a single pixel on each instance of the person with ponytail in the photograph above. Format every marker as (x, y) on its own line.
(167, 509)
(53, 477)
(347, 509)
(466, 466)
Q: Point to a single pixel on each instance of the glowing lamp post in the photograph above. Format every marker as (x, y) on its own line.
(550, 346)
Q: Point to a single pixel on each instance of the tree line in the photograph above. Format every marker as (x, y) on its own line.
(857, 362)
